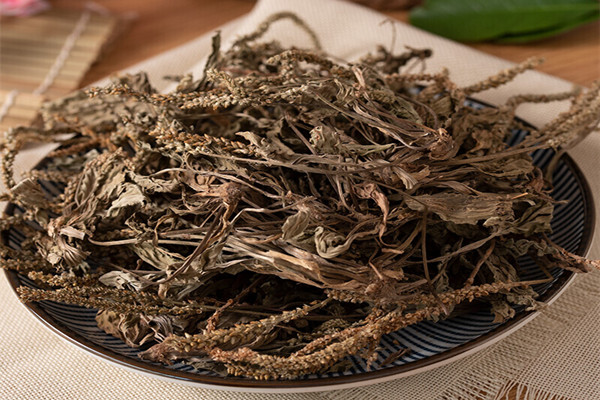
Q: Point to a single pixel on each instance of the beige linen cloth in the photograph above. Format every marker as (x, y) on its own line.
(557, 355)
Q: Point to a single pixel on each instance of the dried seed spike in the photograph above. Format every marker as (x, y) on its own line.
(503, 77)
(264, 26)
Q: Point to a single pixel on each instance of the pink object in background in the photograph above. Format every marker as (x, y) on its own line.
(22, 8)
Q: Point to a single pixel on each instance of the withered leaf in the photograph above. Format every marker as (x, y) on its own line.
(122, 280)
(131, 195)
(29, 193)
(465, 209)
(154, 256)
(131, 328)
(295, 225)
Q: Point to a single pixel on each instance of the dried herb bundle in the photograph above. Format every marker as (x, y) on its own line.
(285, 211)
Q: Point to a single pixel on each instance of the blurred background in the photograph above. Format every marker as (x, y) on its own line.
(50, 47)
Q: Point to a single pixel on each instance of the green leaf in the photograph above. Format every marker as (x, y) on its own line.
(549, 32)
(471, 20)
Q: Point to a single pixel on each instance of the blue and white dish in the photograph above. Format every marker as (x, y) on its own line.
(431, 344)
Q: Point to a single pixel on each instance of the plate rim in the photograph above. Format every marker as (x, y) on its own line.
(331, 383)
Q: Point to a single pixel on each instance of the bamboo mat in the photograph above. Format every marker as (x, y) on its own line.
(45, 57)
(17, 108)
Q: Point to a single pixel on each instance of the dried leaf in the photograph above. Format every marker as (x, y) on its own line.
(131, 195)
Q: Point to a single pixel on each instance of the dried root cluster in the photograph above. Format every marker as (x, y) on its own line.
(285, 210)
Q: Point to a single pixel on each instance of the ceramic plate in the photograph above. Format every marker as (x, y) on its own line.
(431, 344)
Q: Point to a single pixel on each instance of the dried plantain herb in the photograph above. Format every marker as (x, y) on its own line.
(285, 210)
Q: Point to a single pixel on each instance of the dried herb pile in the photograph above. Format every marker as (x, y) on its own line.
(286, 210)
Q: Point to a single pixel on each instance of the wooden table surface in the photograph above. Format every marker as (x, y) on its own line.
(157, 25)
(160, 25)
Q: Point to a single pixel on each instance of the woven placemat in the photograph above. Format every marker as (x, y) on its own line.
(50, 52)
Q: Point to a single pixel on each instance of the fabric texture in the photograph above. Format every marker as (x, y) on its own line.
(557, 355)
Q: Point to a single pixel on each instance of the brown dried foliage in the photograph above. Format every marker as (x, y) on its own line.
(286, 210)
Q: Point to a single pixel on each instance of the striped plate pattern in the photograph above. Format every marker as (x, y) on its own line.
(441, 340)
